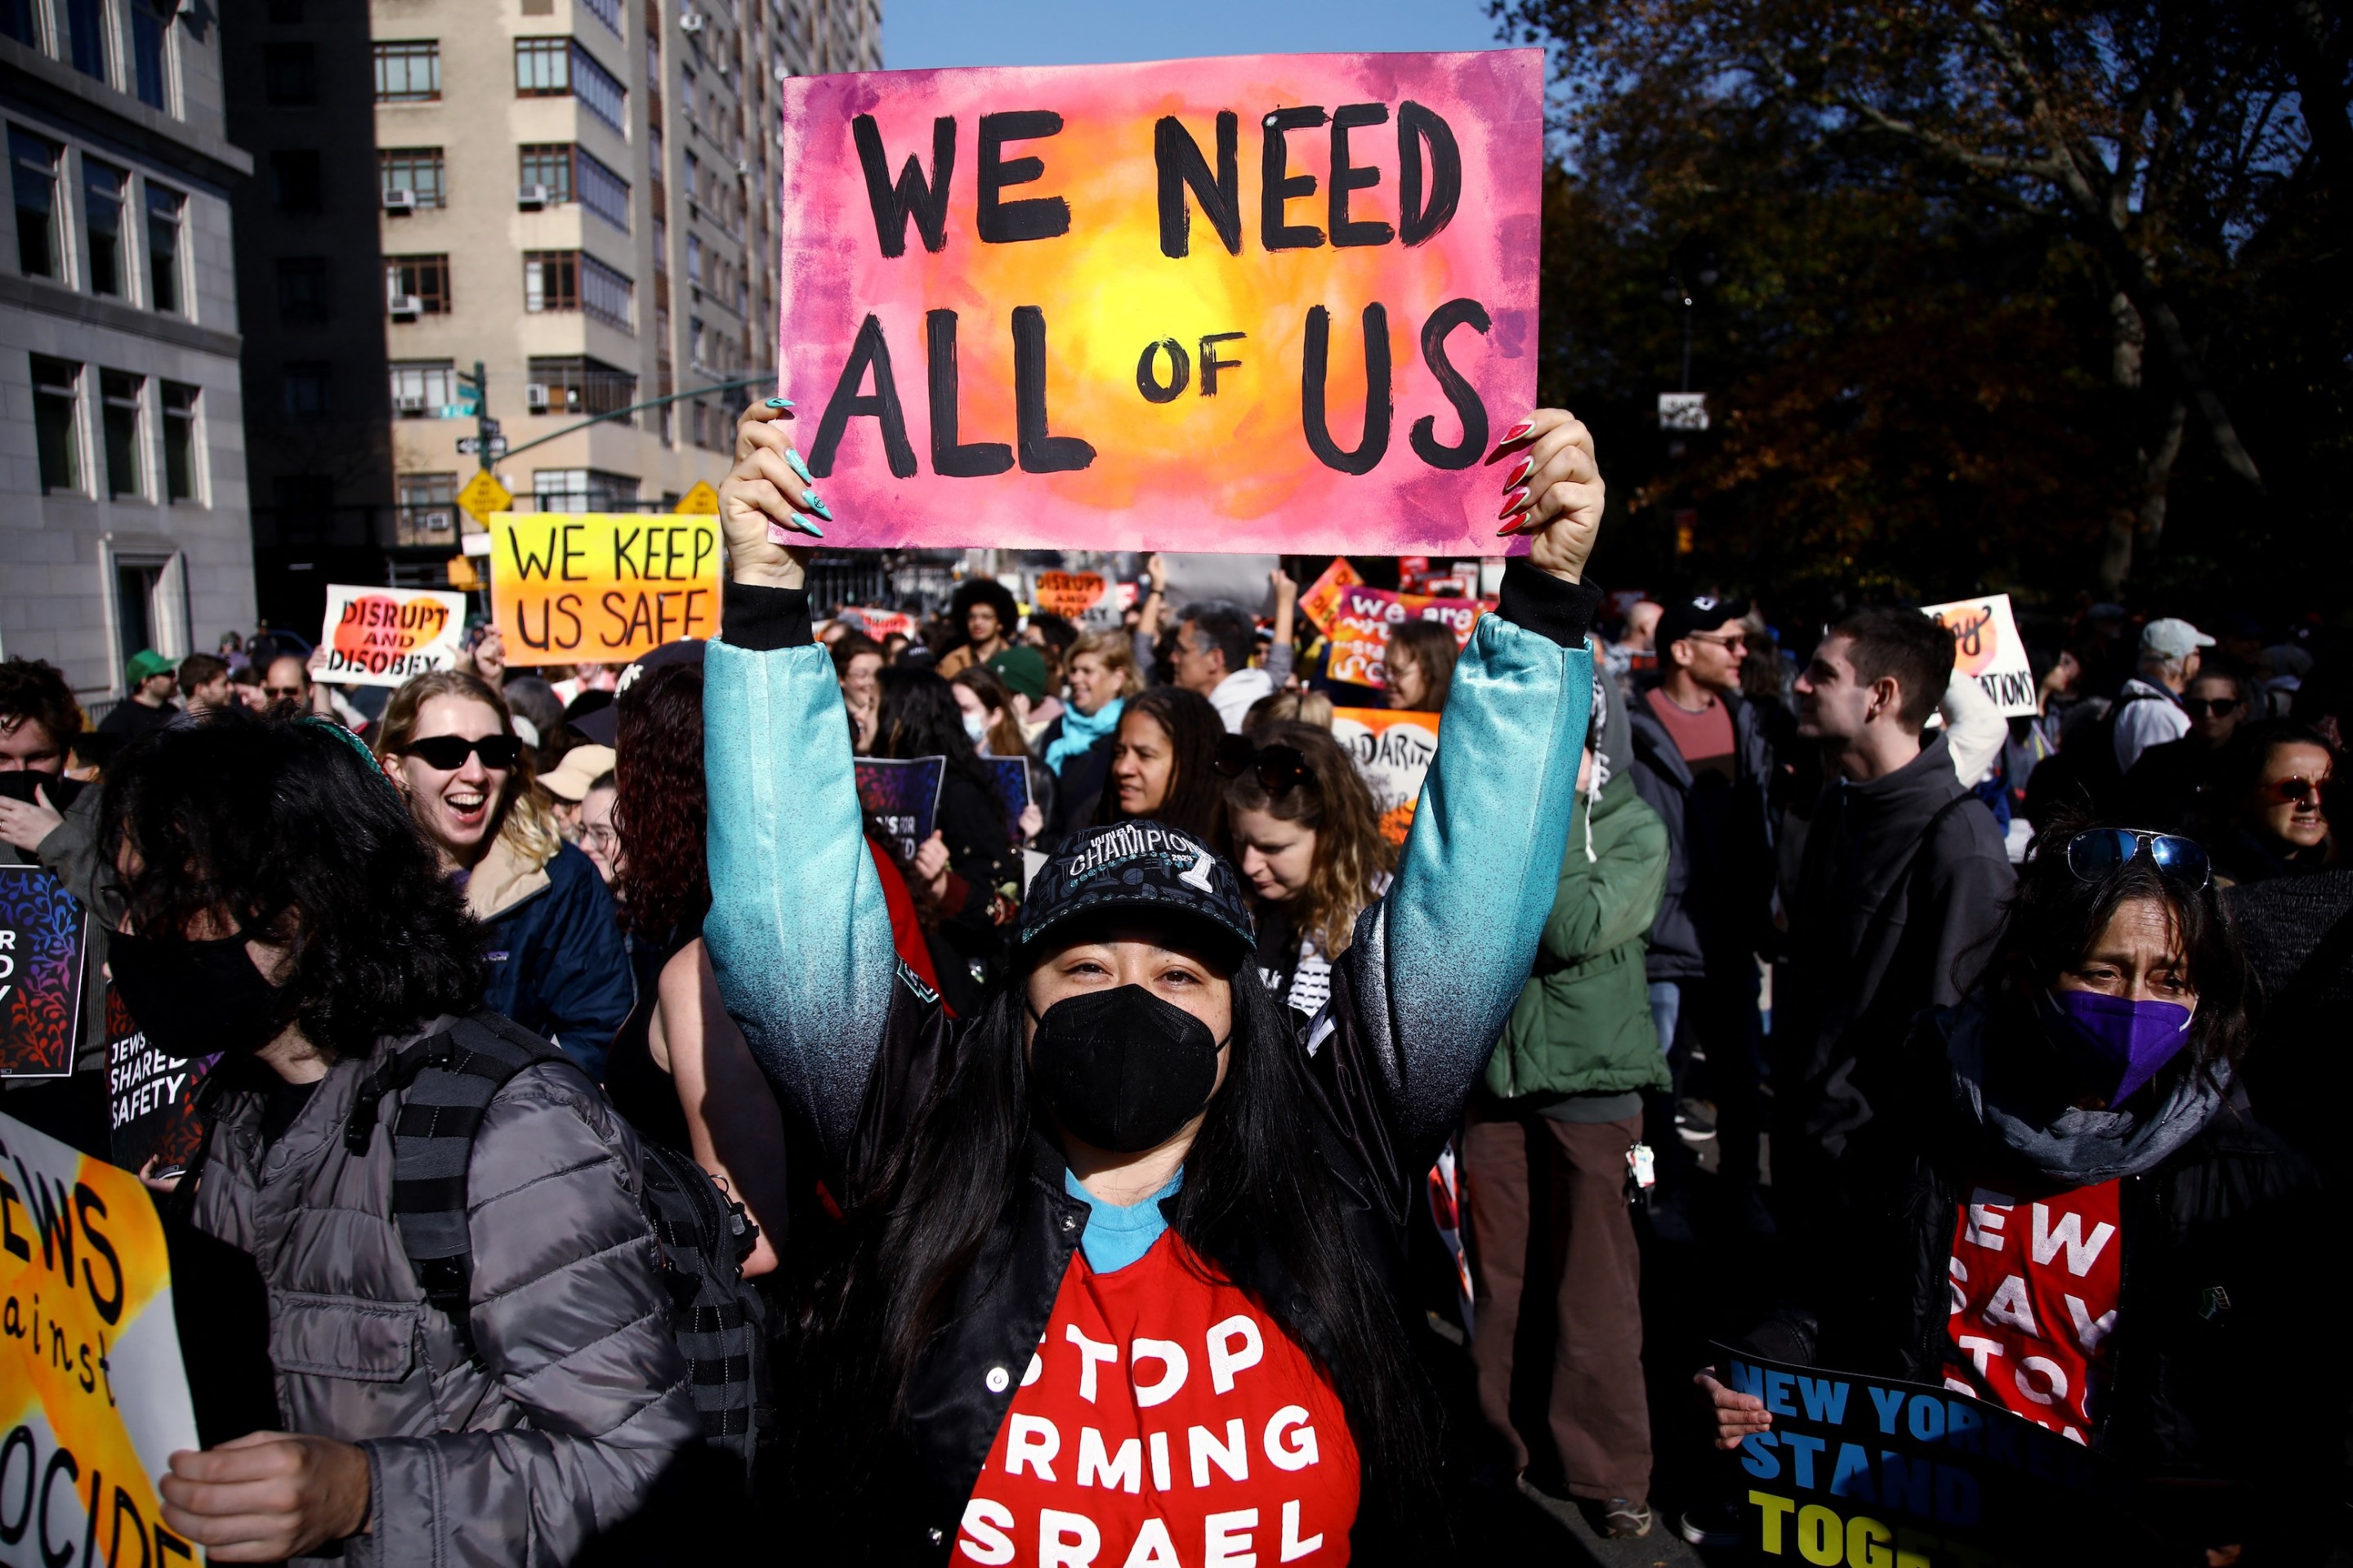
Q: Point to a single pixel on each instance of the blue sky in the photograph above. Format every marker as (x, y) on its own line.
(920, 32)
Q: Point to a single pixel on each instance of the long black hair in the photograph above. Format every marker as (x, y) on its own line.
(289, 828)
(2054, 918)
(923, 1219)
(1197, 796)
(916, 715)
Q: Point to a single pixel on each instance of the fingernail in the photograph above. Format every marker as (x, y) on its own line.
(800, 467)
(1513, 525)
(1520, 471)
(780, 535)
(780, 402)
(1517, 501)
(812, 528)
(1517, 433)
(810, 499)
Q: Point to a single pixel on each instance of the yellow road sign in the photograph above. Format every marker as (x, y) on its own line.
(484, 495)
(701, 501)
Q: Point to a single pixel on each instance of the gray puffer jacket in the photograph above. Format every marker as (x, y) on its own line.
(579, 1398)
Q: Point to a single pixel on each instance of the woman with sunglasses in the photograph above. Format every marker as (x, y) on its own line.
(1164, 765)
(558, 964)
(2266, 808)
(1307, 840)
(2163, 788)
(1125, 1246)
(2063, 1211)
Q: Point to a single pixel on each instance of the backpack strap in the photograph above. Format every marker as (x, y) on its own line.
(450, 1079)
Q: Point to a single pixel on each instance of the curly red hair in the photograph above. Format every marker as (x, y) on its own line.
(660, 804)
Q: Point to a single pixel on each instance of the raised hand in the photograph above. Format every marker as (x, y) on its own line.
(1552, 490)
(767, 498)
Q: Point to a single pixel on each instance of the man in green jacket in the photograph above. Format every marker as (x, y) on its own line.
(1546, 1148)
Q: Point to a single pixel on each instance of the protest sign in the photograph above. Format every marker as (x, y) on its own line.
(151, 1097)
(42, 929)
(877, 623)
(92, 1389)
(1393, 749)
(1011, 775)
(1275, 303)
(601, 586)
(1871, 1470)
(905, 795)
(1361, 617)
(1987, 647)
(1083, 599)
(380, 637)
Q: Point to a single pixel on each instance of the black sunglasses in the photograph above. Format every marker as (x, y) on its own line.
(447, 753)
(2220, 707)
(2098, 853)
(1280, 767)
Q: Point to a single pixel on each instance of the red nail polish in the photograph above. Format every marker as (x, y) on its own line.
(1517, 501)
(1517, 431)
(1526, 466)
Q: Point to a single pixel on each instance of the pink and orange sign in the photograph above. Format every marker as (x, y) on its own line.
(1279, 302)
(1358, 619)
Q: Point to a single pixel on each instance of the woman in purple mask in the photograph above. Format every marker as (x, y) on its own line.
(2060, 1209)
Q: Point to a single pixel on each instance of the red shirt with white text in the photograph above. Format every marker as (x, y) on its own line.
(2034, 1287)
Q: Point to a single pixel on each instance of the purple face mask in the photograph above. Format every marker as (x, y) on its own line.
(2118, 1044)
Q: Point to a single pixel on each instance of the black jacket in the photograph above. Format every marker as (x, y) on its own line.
(1080, 785)
(2221, 1320)
(1719, 899)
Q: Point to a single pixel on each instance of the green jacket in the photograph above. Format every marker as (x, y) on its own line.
(1582, 1025)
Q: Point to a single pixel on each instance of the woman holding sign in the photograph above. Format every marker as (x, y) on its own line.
(1124, 1245)
(2061, 1210)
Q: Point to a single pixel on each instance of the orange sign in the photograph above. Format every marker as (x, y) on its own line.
(1069, 594)
(1393, 749)
(1986, 648)
(601, 586)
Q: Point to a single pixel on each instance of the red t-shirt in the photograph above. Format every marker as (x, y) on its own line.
(1165, 1419)
(2034, 1301)
(1704, 737)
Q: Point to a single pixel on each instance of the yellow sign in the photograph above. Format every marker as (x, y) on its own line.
(484, 495)
(463, 575)
(701, 501)
(91, 1386)
(601, 586)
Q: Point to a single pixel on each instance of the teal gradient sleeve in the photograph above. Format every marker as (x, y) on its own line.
(798, 933)
(1454, 941)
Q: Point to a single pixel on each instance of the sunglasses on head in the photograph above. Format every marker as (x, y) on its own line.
(1278, 768)
(2098, 853)
(2299, 792)
(2216, 707)
(447, 753)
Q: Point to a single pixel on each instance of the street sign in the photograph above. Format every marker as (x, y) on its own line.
(1682, 410)
(469, 446)
(484, 495)
(701, 501)
(454, 411)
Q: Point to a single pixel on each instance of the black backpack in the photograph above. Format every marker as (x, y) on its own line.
(720, 1320)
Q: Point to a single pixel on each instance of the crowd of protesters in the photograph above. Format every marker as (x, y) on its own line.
(1784, 954)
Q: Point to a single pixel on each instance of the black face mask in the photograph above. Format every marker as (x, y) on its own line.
(195, 998)
(1121, 1069)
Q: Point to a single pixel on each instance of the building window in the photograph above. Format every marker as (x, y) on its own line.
(151, 45)
(304, 389)
(429, 509)
(606, 295)
(302, 289)
(550, 280)
(547, 164)
(17, 22)
(57, 422)
(122, 396)
(86, 36)
(33, 168)
(408, 73)
(424, 279)
(543, 68)
(179, 441)
(294, 181)
(102, 188)
(164, 206)
(602, 191)
(606, 10)
(578, 385)
(289, 75)
(423, 388)
(416, 170)
(599, 91)
(583, 490)
(694, 258)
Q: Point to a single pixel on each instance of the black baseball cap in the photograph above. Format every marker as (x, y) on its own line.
(1137, 865)
(1701, 612)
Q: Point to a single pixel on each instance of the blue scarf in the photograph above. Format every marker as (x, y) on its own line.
(1081, 731)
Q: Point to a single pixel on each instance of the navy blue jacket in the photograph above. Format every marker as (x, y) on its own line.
(559, 965)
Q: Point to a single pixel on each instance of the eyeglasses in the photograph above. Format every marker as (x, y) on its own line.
(1280, 768)
(448, 753)
(2098, 853)
(288, 693)
(2298, 792)
(1736, 639)
(603, 835)
(2215, 707)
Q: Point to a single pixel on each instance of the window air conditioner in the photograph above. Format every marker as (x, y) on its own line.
(400, 203)
(405, 307)
(531, 198)
(535, 397)
(409, 403)
(690, 21)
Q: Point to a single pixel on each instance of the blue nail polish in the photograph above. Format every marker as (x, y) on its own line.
(780, 402)
(810, 499)
(810, 528)
(800, 467)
